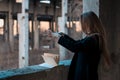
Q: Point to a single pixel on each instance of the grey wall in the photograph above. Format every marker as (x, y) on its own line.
(110, 16)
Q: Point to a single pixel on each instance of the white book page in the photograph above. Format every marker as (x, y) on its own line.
(49, 60)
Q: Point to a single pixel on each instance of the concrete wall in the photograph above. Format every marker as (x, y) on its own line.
(37, 72)
(110, 16)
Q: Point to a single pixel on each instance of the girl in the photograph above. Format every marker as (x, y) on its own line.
(88, 51)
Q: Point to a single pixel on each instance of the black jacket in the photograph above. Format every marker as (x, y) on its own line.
(85, 61)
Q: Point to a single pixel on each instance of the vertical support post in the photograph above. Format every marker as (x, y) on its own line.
(17, 31)
(23, 35)
(63, 28)
(11, 36)
(6, 28)
(55, 17)
(32, 34)
(36, 33)
(36, 28)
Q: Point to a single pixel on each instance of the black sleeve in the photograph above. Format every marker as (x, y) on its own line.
(76, 46)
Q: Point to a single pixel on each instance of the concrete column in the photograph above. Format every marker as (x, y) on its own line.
(36, 33)
(11, 35)
(6, 37)
(32, 34)
(63, 28)
(91, 5)
(36, 24)
(51, 24)
(23, 35)
(17, 29)
(109, 15)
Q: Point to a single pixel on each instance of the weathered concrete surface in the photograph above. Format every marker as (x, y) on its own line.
(109, 14)
(37, 72)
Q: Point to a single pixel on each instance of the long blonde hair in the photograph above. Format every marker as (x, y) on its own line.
(89, 20)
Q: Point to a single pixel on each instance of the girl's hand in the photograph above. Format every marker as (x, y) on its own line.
(61, 33)
(56, 34)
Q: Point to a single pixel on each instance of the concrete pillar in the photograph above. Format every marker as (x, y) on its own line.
(36, 24)
(17, 29)
(32, 34)
(63, 28)
(6, 30)
(91, 5)
(23, 35)
(50, 27)
(11, 35)
(51, 24)
(109, 14)
(36, 33)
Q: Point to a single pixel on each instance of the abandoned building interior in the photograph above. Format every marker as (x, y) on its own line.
(26, 34)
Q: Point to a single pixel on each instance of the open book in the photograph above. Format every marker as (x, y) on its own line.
(51, 59)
